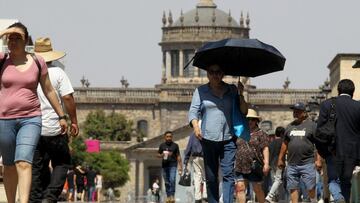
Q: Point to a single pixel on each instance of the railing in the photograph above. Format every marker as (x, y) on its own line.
(280, 96)
(116, 95)
(181, 94)
(171, 34)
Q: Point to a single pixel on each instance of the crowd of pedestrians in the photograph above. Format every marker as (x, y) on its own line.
(293, 160)
(83, 184)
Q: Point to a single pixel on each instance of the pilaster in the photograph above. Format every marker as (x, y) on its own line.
(181, 63)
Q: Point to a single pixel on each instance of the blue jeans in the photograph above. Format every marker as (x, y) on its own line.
(91, 190)
(333, 179)
(169, 174)
(225, 153)
(18, 139)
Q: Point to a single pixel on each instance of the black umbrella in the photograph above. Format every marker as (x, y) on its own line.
(240, 57)
(357, 64)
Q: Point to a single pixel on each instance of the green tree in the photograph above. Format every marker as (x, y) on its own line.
(113, 127)
(111, 164)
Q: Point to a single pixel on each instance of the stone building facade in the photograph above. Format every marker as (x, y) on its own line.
(341, 67)
(165, 107)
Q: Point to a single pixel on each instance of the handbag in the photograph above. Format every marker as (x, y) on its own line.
(257, 164)
(185, 179)
(325, 135)
(240, 123)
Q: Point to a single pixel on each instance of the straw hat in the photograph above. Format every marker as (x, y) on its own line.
(44, 49)
(253, 114)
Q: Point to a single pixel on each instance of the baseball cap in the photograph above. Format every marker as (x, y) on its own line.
(299, 106)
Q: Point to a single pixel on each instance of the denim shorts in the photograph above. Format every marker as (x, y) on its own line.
(249, 177)
(306, 172)
(18, 139)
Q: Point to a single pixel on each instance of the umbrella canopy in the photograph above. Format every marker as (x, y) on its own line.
(240, 57)
(357, 64)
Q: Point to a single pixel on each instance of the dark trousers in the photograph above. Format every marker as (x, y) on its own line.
(219, 154)
(45, 184)
(345, 167)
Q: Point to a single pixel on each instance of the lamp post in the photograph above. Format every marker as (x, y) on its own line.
(315, 101)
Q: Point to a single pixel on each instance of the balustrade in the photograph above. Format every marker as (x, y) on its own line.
(152, 95)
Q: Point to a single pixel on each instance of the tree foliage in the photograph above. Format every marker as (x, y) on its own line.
(113, 127)
(111, 164)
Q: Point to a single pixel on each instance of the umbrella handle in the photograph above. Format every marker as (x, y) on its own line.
(188, 63)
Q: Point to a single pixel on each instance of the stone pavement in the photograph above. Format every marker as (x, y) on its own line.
(2, 193)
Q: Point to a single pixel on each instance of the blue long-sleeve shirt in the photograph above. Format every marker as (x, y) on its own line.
(193, 148)
(215, 112)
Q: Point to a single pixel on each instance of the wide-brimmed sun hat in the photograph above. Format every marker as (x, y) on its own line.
(13, 30)
(44, 49)
(253, 114)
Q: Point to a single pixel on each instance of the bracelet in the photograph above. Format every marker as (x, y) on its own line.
(62, 117)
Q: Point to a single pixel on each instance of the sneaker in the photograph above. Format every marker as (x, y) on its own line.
(321, 201)
(268, 199)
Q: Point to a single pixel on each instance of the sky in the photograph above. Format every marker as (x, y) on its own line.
(105, 40)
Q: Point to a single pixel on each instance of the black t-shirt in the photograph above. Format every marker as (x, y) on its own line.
(90, 177)
(300, 148)
(274, 151)
(79, 177)
(168, 161)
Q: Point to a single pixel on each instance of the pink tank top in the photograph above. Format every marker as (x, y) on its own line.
(18, 97)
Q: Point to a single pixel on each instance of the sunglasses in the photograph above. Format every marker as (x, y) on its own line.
(252, 119)
(216, 72)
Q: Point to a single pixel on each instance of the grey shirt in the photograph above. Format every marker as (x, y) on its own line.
(301, 150)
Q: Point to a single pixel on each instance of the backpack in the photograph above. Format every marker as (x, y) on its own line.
(32, 55)
(325, 135)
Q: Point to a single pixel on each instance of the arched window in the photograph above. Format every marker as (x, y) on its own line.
(142, 127)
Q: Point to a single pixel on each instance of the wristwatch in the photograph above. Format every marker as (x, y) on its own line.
(62, 117)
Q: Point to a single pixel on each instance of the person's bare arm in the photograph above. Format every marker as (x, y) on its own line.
(179, 163)
(197, 130)
(265, 153)
(281, 160)
(70, 106)
(243, 105)
(318, 161)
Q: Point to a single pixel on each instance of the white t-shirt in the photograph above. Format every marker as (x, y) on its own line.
(62, 86)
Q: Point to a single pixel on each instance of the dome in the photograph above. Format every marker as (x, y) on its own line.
(207, 15)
